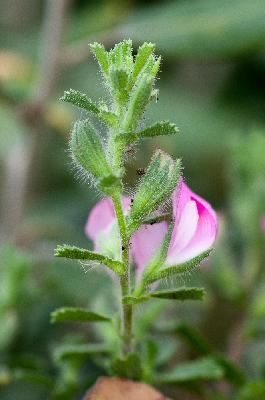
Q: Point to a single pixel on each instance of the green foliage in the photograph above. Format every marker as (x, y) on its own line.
(185, 293)
(129, 366)
(156, 186)
(76, 314)
(79, 351)
(205, 368)
(180, 268)
(76, 253)
(80, 100)
(87, 150)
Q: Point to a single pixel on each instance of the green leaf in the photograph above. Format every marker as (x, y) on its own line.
(76, 314)
(204, 368)
(23, 374)
(232, 372)
(119, 80)
(191, 293)
(76, 253)
(156, 186)
(102, 57)
(108, 117)
(180, 268)
(139, 99)
(135, 299)
(80, 351)
(252, 390)
(127, 367)
(193, 338)
(87, 150)
(200, 29)
(143, 54)
(157, 129)
(80, 100)
(121, 55)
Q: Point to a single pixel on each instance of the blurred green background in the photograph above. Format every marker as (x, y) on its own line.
(212, 85)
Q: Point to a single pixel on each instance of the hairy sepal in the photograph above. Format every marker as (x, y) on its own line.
(87, 152)
(159, 181)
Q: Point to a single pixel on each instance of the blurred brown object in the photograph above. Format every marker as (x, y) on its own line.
(121, 389)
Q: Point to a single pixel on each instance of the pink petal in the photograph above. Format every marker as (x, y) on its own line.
(194, 232)
(102, 216)
(145, 242)
(183, 231)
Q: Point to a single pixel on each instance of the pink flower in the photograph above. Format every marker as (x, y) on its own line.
(194, 230)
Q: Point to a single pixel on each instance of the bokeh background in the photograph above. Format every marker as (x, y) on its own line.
(212, 85)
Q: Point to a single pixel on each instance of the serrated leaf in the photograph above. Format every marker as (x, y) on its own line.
(80, 351)
(157, 129)
(80, 100)
(180, 268)
(157, 184)
(205, 368)
(75, 253)
(141, 58)
(102, 57)
(185, 293)
(72, 314)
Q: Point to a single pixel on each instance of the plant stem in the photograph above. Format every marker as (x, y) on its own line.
(125, 279)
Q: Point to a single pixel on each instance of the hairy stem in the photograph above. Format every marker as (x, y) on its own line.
(124, 279)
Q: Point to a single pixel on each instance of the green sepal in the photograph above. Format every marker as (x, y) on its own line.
(185, 293)
(75, 253)
(79, 351)
(156, 186)
(73, 314)
(180, 268)
(80, 100)
(204, 368)
(87, 150)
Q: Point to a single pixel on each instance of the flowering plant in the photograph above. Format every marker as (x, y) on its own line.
(164, 229)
